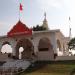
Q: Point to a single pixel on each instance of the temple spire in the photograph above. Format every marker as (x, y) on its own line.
(45, 24)
(69, 28)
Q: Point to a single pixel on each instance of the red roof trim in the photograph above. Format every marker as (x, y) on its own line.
(19, 29)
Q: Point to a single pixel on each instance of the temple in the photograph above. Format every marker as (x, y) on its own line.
(35, 45)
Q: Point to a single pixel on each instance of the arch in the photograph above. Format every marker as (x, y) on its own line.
(45, 49)
(6, 47)
(44, 44)
(58, 45)
(6, 42)
(27, 45)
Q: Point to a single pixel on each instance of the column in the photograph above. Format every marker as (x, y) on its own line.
(35, 44)
(35, 49)
(13, 51)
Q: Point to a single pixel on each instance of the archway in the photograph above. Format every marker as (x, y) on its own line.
(6, 47)
(45, 49)
(27, 49)
(44, 45)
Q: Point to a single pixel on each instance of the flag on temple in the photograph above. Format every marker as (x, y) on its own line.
(21, 7)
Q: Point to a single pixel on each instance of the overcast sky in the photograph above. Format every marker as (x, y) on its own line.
(58, 12)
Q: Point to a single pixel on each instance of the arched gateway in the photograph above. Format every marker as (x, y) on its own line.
(21, 33)
(45, 45)
(27, 49)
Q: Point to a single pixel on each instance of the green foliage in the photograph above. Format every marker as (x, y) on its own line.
(71, 44)
(39, 28)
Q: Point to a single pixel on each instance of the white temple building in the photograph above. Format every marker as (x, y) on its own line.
(39, 45)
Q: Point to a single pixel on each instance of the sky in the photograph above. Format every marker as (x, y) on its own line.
(58, 13)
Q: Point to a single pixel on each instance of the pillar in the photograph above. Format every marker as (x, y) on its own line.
(35, 44)
(13, 51)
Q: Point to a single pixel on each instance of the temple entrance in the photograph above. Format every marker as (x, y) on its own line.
(24, 49)
(45, 49)
(44, 45)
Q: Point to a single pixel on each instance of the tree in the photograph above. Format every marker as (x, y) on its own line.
(71, 44)
(38, 28)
